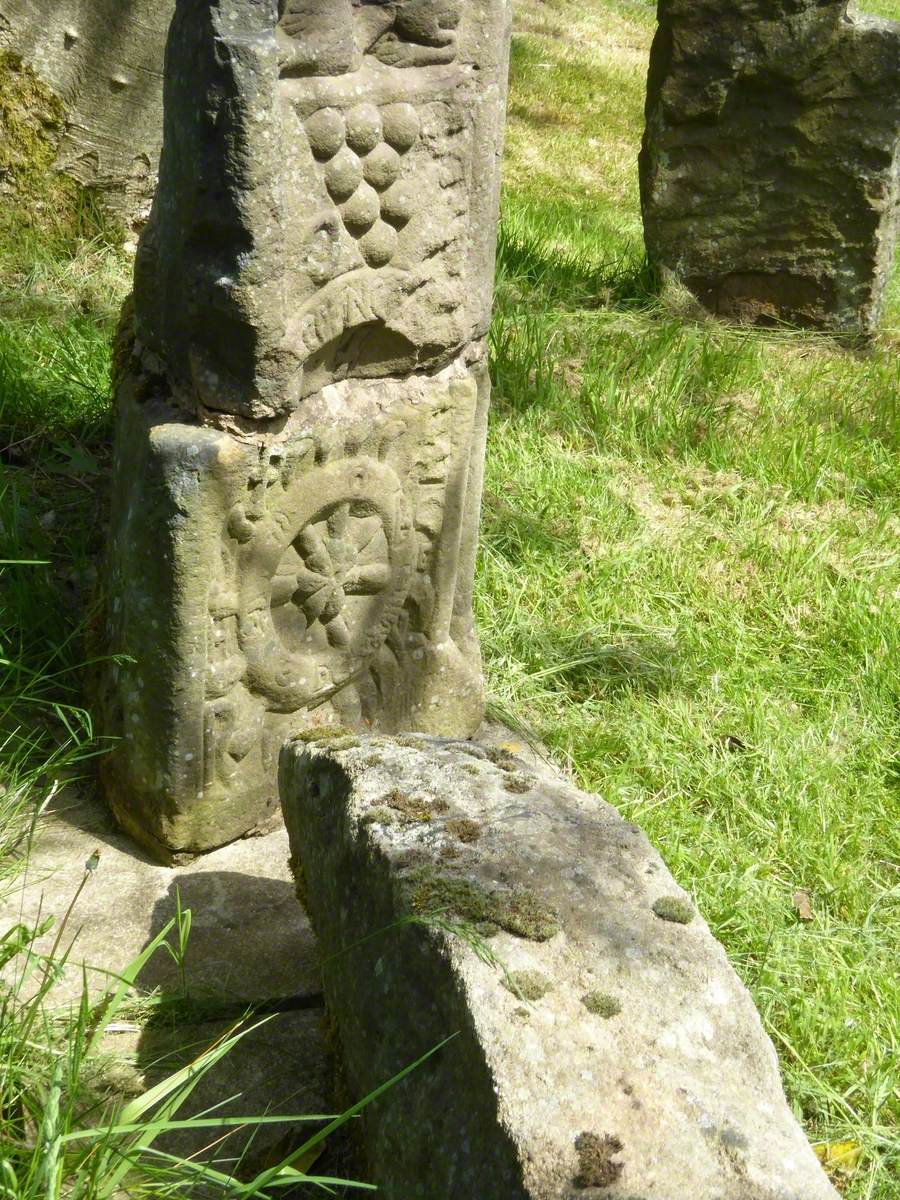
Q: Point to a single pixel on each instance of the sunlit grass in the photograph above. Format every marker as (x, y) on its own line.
(689, 578)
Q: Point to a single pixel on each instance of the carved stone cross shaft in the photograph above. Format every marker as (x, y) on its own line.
(301, 407)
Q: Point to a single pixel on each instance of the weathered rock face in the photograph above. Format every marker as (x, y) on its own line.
(302, 413)
(104, 59)
(601, 1042)
(770, 169)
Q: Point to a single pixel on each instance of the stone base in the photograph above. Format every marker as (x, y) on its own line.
(601, 1043)
(263, 583)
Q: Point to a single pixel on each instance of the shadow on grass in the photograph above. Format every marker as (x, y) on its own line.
(570, 279)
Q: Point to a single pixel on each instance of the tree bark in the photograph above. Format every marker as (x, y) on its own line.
(104, 58)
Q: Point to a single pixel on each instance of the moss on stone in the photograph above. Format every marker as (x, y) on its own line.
(348, 742)
(596, 1168)
(415, 808)
(464, 829)
(527, 985)
(675, 909)
(32, 118)
(373, 760)
(502, 758)
(379, 815)
(518, 911)
(471, 769)
(602, 1004)
(518, 783)
(324, 733)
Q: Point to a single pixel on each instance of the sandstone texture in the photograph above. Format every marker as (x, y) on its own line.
(302, 400)
(770, 168)
(104, 59)
(601, 1043)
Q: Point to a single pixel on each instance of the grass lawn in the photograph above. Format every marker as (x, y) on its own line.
(690, 567)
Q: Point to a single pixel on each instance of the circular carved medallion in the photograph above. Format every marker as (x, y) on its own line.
(324, 578)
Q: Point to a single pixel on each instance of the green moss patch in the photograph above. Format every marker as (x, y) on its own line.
(528, 985)
(518, 911)
(675, 909)
(602, 1004)
(32, 118)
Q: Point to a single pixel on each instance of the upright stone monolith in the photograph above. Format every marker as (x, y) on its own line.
(770, 170)
(302, 402)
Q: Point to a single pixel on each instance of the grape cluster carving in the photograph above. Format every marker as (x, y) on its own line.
(362, 152)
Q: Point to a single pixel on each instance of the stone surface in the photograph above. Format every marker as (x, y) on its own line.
(302, 404)
(602, 1045)
(249, 943)
(770, 169)
(104, 59)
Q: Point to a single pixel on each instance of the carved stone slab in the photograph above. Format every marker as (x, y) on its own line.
(328, 194)
(303, 403)
(770, 170)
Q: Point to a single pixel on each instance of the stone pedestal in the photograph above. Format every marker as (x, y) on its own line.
(303, 400)
(770, 169)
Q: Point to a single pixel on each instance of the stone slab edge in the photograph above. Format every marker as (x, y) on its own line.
(601, 1043)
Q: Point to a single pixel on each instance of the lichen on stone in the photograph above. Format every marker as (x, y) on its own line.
(518, 911)
(301, 890)
(464, 829)
(675, 909)
(602, 1004)
(528, 985)
(596, 1168)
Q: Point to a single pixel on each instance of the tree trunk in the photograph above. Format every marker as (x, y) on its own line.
(104, 58)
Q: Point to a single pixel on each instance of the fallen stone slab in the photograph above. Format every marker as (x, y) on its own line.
(601, 1043)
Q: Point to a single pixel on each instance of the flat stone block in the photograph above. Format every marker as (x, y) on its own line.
(601, 1043)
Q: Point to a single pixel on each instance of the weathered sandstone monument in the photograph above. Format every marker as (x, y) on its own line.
(302, 399)
(601, 1045)
(770, 169)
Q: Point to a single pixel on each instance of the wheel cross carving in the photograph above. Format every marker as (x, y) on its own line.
(325, 576)
(344, 555)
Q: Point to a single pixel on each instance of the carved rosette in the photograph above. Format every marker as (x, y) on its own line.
(323, 580)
